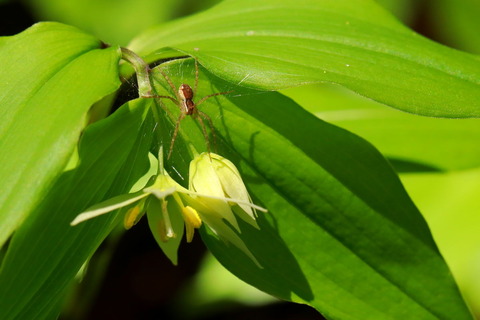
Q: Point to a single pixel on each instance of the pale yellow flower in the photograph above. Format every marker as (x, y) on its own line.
(215, 188)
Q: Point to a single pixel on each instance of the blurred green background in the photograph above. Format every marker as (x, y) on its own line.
(439, 162)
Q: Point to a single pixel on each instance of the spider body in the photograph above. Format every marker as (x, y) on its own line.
(184, 100)
(185, 93)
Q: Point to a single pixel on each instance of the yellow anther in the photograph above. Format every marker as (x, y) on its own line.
(132, 216)
(192, 221)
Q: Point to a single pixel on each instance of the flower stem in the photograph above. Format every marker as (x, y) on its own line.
(142, 70)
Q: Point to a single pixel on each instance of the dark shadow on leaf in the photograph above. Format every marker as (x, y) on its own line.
(281, 274)
(410, 166)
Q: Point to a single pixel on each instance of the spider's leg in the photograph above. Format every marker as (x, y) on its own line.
(170, 83)
(212, 95)
(196, 78)
(175, 133)
(212, 129)
(204, 130)
(162, 97)
(164, 107)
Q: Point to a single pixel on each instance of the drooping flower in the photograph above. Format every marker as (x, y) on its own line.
(214, 175)
(220, 196)
(162, 200)
(215, 189)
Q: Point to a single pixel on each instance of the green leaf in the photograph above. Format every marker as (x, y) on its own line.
(46, 251)
(341, 230)
(51, 75)
(271, 45)
(436, 144)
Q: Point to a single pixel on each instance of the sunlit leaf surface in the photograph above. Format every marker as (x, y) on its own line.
(46, 251)
(54, 75)
(340, 227)
(272, 45)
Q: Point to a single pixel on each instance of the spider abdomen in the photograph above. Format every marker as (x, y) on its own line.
(186, 94)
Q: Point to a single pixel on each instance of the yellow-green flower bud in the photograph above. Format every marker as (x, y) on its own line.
(217, 188)
(214, 175)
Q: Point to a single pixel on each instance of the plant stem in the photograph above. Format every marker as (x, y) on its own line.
(142, 70)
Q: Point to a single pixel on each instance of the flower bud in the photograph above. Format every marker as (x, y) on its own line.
(217, 188)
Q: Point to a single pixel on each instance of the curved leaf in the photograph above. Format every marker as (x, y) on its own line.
(46, 251)
(341, 230)
(53, 73)
(272, 45)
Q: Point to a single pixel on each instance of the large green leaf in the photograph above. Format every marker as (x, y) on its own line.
(272, 45)
(51, 75)
(341, 234)
(434, 143)
(46, 252)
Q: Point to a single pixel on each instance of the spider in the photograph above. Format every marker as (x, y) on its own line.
(184, 100)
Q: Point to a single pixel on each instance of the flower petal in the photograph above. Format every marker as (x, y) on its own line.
(232, 183)
(245, 217)
(169, 241)
(161, 193)
(204, 180)
(109, 205)
(227, 234)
